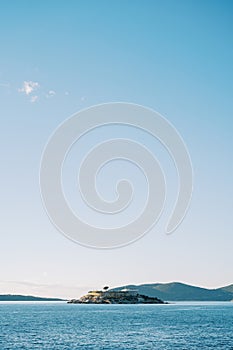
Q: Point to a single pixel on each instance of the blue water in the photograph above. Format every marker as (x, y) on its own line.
(61, 326)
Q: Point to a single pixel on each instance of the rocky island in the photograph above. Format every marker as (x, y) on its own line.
(123, 296)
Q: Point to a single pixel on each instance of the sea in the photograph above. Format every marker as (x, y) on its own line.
(60, 326)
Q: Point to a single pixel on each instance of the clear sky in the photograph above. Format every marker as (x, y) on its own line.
(58, 57)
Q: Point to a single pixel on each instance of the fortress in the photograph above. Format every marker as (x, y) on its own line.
(123, 296)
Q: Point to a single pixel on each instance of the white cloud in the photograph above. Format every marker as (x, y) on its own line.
(34, 98)
(28, 87)
(51, 93)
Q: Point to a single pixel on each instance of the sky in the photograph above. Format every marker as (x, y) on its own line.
(59, 57)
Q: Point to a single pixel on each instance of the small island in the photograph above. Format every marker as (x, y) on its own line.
(123, 296)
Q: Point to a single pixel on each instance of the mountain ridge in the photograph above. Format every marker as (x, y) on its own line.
(19, 297)
(177, 291)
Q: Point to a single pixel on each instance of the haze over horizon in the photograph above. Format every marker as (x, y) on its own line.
(173, 57)
(71, 292)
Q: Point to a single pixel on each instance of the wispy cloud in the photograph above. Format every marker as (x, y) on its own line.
(51, 93)
(34, 98)
(28, 87)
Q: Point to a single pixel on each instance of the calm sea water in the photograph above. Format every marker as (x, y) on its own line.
(61, 326)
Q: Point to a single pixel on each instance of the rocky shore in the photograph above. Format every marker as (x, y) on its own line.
(115, 297)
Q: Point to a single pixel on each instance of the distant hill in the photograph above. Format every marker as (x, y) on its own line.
(228, 289)
(176, 291)
(10, 297)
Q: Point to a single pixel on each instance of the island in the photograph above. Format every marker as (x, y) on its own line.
(123, 296)
(13, 297)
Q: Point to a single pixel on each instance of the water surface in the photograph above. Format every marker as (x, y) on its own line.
(63, 326)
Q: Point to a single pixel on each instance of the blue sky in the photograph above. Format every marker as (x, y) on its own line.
(58, 57)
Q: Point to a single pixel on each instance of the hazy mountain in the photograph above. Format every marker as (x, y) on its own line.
(228, 288)
(176, 291)
(10, 297)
